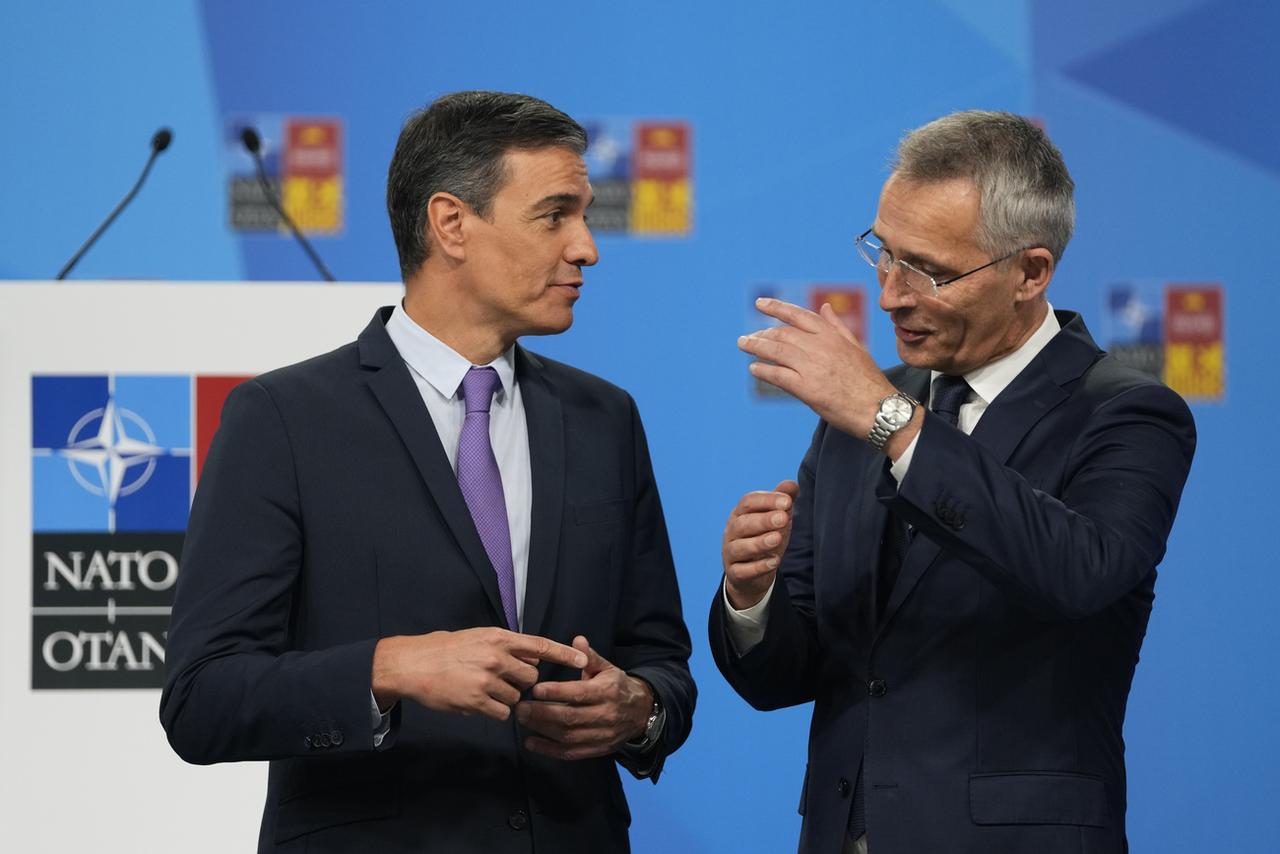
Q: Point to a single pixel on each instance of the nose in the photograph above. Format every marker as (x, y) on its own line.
(894, 293)
(581, 250)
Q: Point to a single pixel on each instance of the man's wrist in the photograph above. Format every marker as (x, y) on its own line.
(653, 717)
(902, 438)
(383, 678)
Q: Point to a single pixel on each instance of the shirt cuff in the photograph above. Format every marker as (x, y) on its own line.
(900, 466)
(746, 627)
(380, 721)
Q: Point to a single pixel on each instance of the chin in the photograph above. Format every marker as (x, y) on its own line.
(913, 357)
(552, 325)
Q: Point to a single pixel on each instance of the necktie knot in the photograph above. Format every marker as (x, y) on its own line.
(478, 386)
(949, 394)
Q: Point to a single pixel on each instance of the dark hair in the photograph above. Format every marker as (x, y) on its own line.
(458, 145)
(1026, 192)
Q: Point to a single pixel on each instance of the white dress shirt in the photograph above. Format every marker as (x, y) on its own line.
(437, 370)
(746, 627)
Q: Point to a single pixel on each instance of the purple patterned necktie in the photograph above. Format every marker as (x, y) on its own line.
(481, 484)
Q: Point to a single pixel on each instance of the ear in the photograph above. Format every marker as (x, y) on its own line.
(445, 215)
(1036, 267)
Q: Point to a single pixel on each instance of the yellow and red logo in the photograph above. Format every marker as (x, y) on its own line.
(1194, 365)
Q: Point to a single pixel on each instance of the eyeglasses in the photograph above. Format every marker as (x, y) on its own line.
(918, 280)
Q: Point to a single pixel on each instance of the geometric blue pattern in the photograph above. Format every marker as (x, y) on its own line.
(1210, 72)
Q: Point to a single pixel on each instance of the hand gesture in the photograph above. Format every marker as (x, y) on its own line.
(754, 540)
(473, 671)
(815, 358)
(593, 716)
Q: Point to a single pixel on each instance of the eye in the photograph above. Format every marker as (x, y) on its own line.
(554, 217)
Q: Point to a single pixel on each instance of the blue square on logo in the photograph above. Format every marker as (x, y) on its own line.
(61, 503)
(59, 402)
(162, 502)
(163, 403)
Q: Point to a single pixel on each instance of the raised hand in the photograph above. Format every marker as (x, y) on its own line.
(755, 537)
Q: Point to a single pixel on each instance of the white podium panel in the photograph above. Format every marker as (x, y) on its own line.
(109, 392)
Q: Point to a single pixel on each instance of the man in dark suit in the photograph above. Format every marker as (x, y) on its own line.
(427, 575)
(965, 582)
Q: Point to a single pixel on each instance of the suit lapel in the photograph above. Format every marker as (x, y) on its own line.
(1038, 389)
(913, 382)
(545, 419)
(1031, 395)
(391, 384)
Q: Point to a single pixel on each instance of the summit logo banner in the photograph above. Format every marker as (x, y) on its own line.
(114, 462)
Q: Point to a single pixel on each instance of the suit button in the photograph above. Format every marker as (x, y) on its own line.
(518, 820)
(336, 737)
(957, 521)
(877, 687)
(842, 788)
(306, 739)
(325, 741)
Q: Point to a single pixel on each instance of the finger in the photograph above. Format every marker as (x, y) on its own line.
(541, 719)
(776, 375)
(545, 649)
(829, 315)
(582, 692)
(491, 709)
(792, 315)
(752, 569)
(502, 692)
(789, 488)
(553, 719)
(559, 751)
(775, 350)
(520, 673)
(756, 548)
(761, 501)
(754, 524)
(596, 662)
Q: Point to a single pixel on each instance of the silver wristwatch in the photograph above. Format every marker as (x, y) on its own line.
(652, 728)
(895, 411)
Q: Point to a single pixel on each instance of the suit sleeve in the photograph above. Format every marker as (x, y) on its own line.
(1073, 554)
(234, 691)
(651, 640)
(783, 669)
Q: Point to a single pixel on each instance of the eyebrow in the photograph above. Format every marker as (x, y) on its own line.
(914, 258)
(567, 199)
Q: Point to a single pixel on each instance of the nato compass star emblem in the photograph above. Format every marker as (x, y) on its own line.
(99, 465)
(117, 463)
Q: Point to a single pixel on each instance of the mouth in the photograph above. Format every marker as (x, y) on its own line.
(568, 288)
(910, 336)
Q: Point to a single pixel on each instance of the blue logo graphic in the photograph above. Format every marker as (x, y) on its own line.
(111, 453)
(1135, 313)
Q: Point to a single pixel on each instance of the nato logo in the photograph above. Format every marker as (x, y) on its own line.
(111, 453)
(1135, 313)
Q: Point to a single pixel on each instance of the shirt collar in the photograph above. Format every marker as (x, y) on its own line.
(989, 380)
(438, 363)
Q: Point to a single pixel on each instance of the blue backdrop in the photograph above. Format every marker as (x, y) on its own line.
(1167, 112)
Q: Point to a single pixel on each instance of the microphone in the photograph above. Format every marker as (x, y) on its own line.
(159, 142)
(253, 144)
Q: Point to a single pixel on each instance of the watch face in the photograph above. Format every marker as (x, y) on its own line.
(897, 410)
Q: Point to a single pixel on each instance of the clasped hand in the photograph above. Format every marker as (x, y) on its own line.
(486, 670)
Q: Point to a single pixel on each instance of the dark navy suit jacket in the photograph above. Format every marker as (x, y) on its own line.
(985, 706)
(327, 517)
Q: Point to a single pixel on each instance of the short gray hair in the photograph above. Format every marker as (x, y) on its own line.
(1026, 194)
